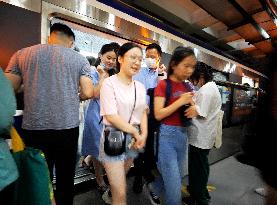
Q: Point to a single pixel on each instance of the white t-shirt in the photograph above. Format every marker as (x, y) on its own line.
(118, 98)
(202, 132)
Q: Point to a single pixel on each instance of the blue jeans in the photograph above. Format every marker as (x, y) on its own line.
(171, 163)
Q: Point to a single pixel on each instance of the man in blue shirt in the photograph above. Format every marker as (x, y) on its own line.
(149, 77)
(153, 71)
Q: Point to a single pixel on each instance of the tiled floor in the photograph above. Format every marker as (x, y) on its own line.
(234, 182)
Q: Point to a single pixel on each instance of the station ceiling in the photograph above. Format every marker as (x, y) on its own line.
(246, 29)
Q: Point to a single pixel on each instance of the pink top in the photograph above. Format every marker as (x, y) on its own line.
(118, 98)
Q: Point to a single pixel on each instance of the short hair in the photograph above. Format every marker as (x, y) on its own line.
(202, 70)
(155, 46)
(62, 28)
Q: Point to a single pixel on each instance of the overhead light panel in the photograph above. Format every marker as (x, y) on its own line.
(264, 33)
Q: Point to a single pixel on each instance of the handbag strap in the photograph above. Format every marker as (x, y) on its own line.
(134, 102)
(133, 106)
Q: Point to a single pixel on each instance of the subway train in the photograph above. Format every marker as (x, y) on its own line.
(25, 23)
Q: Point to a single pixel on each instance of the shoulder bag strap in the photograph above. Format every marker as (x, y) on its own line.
(167, 92)
(133, 106)
(134, 102)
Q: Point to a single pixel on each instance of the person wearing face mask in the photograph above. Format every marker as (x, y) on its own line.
(149, 77)
(53, 74)
(153, 63)
(103, 68)
(153, 72)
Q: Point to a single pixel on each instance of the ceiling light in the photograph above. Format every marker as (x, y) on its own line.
(264, 34)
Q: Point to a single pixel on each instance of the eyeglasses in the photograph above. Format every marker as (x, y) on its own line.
(135, 58)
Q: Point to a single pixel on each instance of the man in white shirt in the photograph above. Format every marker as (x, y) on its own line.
(202, 131)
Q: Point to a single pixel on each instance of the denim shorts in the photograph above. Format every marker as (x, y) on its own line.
(129, 153)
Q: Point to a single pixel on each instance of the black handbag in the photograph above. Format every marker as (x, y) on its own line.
(185, 121)
(115, 139)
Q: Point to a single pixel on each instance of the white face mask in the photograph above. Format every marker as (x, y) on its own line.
(150, 62)
(104, 66)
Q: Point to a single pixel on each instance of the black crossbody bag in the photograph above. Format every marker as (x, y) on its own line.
(115, 139)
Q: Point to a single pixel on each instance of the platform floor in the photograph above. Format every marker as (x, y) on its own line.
(234, 182)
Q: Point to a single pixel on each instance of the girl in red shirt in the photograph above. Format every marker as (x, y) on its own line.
(173, 133)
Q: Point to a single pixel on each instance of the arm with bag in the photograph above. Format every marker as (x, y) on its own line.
(8, 169)
(33, 186)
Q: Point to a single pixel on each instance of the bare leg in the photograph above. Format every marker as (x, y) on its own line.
(117, 179)
(128, 164)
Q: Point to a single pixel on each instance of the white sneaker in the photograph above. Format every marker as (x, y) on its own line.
(261, 191)
(107, 197)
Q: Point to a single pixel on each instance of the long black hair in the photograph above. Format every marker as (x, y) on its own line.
(113, 46)
(202, 70)
(178, 55)
(124, 49)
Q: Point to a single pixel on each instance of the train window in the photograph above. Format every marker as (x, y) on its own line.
(89, 41)
(219, 76)
(247, 80)
(244, 103)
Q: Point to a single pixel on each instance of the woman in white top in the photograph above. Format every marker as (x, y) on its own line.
(202, 131)
(119, 95)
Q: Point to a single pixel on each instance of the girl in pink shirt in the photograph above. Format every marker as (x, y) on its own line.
(117, 98)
